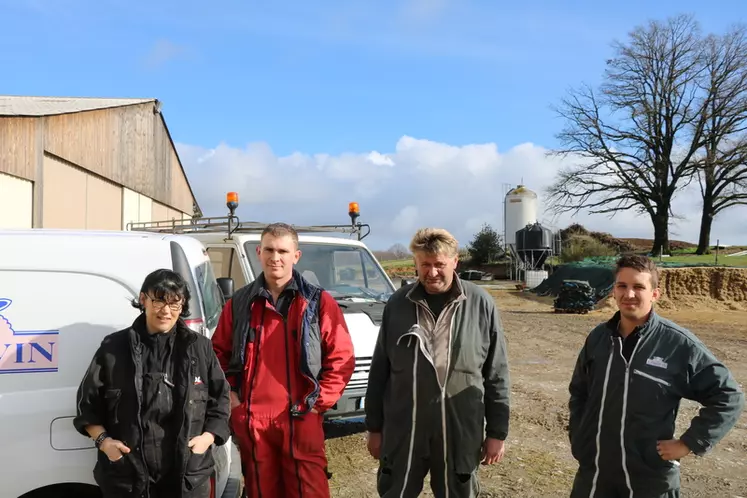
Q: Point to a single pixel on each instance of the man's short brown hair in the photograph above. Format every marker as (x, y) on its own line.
(280, 230)
(434, 241)
(640, 263)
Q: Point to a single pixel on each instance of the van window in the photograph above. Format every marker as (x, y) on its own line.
(182, 267)
(211, 294)
(226, 264)
(343, 271)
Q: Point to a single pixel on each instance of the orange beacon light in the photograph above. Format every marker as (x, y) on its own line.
(232, 201)
(354, 211)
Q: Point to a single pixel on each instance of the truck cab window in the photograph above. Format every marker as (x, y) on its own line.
(226, 263)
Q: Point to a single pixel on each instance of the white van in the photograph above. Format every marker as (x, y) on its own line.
(345, 267)
(61, 292)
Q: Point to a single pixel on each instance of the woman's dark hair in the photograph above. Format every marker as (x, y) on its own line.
(165, 285)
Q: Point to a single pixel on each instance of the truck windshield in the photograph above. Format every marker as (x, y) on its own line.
(346, 272)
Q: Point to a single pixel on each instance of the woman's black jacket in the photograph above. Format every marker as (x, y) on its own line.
(110, 395)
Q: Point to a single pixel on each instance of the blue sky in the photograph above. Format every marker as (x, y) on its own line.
(337, 79)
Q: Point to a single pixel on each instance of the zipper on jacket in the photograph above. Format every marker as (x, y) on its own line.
(139, 390)
(444, 436)
(626, 387)
(651, 377)
(253, 376)
(597, 439)
(290, 402)
(443, 405)
(413, 423)
(255, 359)
(185, 411)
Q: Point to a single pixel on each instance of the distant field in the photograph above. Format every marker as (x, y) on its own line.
(395, 263)
(708, 259)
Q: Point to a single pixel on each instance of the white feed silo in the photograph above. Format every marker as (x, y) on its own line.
(520, 210)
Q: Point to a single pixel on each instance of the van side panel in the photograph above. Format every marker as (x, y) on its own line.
(51, 323)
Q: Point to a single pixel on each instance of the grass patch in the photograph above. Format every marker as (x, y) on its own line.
(706, 259)
(584, 247)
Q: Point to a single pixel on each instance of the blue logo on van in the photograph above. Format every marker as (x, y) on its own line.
(26, 351)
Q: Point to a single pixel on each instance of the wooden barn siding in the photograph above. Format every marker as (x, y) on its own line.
(18, 147)
(128, 145)
(181, 194)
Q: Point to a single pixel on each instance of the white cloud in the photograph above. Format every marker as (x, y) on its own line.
(420, 183)
(380, 159)
(406, 221)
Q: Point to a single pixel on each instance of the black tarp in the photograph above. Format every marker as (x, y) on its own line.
(600, 279)
(575, 295)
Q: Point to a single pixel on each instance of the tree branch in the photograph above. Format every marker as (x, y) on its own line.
(633, 145)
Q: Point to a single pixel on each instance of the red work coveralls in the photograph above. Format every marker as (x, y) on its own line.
(284, 455)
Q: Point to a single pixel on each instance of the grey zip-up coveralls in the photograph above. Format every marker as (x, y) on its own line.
(625, 395)
(435, 390)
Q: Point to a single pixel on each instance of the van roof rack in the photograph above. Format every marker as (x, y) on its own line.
(231, 223)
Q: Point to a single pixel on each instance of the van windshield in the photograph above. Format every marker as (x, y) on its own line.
(211, 294)
(346, 272)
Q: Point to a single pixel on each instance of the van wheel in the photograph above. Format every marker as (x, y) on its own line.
(66, 490)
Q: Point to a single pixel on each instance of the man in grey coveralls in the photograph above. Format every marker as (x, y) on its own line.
(438, 388)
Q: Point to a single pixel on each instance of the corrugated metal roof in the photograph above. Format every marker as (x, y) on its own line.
(11, 105)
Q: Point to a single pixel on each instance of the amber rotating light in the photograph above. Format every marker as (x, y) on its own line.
(354, 211)
(232, 201)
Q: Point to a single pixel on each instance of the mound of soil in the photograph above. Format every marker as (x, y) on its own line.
(623, 244)
(699, 288)
(608, 240)
(647, 244)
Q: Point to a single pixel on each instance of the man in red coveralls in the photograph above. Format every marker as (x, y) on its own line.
(287, 353)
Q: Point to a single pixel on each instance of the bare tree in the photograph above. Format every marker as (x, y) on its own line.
(633, 141)
(722, 167)
(399, 251)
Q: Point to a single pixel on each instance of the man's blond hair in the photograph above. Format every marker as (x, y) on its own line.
(434, 241)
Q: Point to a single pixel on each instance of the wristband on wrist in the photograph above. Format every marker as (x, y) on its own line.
(100, 439)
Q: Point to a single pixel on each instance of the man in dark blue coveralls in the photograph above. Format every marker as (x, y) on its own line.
(630, 377)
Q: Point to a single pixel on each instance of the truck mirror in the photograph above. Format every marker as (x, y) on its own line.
(226, 287)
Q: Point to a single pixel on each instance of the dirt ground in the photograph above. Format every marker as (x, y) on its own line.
(542, 350)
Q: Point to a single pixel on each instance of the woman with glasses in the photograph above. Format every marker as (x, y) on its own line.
(154, 400)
